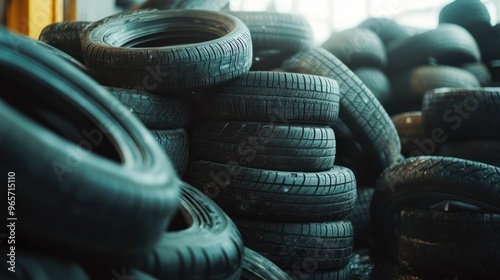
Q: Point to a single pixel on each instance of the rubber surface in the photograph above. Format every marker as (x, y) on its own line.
(256, 267)
(377, 81)
(65, 36)
(175, 145)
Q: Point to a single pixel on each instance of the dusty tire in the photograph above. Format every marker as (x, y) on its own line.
(270, 195)
(65, 36)
(202, 242)
(216, 48)
(359, 108)
(357, 47)
(267, 96)
(82, 131)
(449, 44)
(175, 145)
(265, 146)
(154, 111)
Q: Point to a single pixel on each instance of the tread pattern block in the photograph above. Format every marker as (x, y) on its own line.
(277, 31)
(209, 247)
(154, 111)
(449, 244)
(375, 80)
(266, 96)
(65, 36)
(175, 144)
(412, 134)
(463, 114)
(448, 44)
(266, 146)
(321, 246)
(425, 181)
(414, 84)
(167, 69)
(357, 47)
(360, 110)
(486, 151)
(276, 195)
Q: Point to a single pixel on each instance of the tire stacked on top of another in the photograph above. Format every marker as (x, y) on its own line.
(265, 152)
(152, 70)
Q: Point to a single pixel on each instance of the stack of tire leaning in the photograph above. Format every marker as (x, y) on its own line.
(126, 222)
(263, 149)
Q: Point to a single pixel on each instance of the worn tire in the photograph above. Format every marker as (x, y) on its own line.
(277, 31)
(359, 108)
(414, 84)
(265, 146)
(376, 81)
(175, 145)
(256, 267)
(357, 47)
(100, 168)
(154, 111)
(450, 244)
(279, 196)
(463, 114)
(324, 246)
(65, 36)
(267, 96)
(425, 181)
(448, 44)
(201, 243)
(217, 50)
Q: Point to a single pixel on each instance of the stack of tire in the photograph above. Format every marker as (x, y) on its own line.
(125, 225)
(264, 150)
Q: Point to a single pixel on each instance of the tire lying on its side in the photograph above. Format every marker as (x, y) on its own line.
(263, 96)
(201, 243)
(256, 267)
(167, 51)
(65, 36)
(276, 195)
(89, 167)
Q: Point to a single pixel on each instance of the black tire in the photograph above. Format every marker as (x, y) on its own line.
(376, 81)
(256, 267)
(100, 168)
(414, 84)
(359, 109)
(201, 243)
(31, 266)
(65, 36)
(463, 114)
(154, 111)
(216, 48)
(323, 246)
(448, 44)
(276, 195)
(480, 71)
(357, 47)
(388, 30)
(486, 151)
(213, 5)
(450, 244)
(268, 96)
(412, 134)
(470, 14)
(265, 146)
(426, 181)
(175, 144)
(277, 31)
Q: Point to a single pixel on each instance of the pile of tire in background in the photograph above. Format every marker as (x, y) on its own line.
(245, 110)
